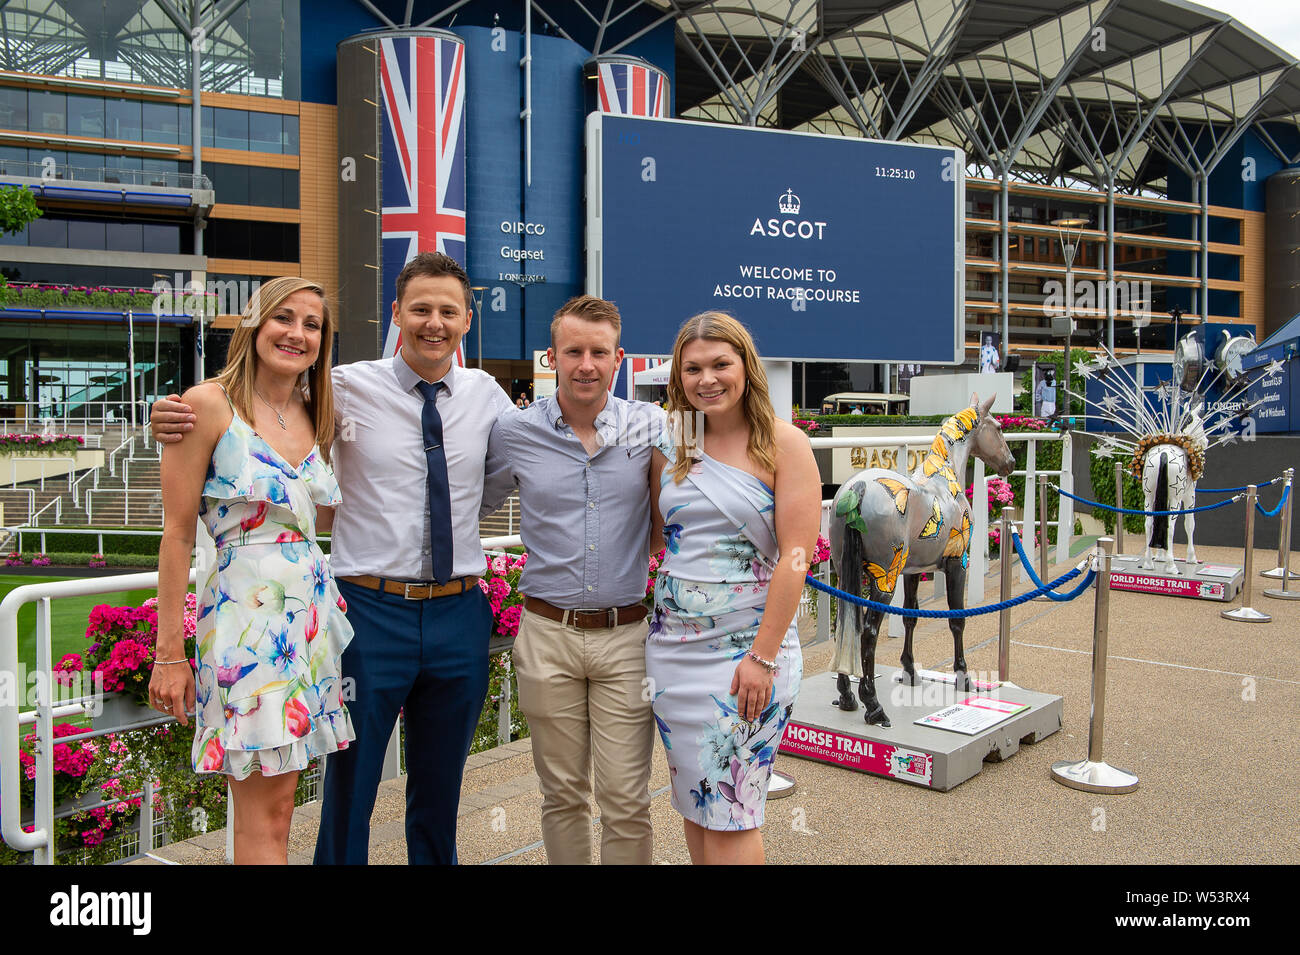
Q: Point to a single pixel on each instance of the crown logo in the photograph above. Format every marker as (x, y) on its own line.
(788, 203)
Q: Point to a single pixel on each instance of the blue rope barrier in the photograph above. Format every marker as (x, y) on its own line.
(1129, 510)
(1233, 490)
(965, 612)
(1024, 562)
(1280, 503)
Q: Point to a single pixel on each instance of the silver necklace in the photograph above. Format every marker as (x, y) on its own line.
(279, 415)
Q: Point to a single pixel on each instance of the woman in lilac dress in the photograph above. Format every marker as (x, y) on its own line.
(740, 500)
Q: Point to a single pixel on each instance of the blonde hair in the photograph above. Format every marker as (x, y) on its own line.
(721, 327)
(241, 358)
(591, 309)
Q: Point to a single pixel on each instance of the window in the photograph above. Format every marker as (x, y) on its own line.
(265, 130)
(289, 141)
(85, 234)
(124, 237)
(230, 128)
(13, 108)
(159, 238)
(46, 112)
(266, 187)
(85, 116)
(229, 182)
(46, 232)
(123, 119)
(162, 123)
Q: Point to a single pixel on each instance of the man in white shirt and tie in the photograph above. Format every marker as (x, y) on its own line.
(413, 433)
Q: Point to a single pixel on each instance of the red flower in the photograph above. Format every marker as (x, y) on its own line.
(255, 520)
(296, 718)
(313, 623)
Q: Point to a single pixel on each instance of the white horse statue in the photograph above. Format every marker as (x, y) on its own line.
(1170, 466)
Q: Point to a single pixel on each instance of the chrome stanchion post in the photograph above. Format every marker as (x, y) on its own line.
(1119, 502)
(1283, 537)
(1284, 551)
(1042, 527)
(1246, 613)
(1093, 774)
(1004, 615)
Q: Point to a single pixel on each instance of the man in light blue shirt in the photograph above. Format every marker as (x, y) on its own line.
(581, 461)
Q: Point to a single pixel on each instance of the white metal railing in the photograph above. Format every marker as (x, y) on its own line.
(101, 416)
(28, 492)
(44, 459)
(46, 706)
(151, 496)
(57, 504)
(99, 532)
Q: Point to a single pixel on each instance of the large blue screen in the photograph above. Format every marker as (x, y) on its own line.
(828, 248)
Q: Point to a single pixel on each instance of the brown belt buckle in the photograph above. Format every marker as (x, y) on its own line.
(428, 591)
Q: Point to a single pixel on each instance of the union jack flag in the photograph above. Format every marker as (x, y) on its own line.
(629, 89)
(634, 366)
(422, 87)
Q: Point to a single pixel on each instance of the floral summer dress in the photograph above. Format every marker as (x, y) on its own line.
(271, 627)
(709, 598)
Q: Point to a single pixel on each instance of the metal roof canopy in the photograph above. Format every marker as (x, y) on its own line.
(1049, 90)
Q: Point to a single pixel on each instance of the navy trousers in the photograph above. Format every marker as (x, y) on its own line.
(429, 657)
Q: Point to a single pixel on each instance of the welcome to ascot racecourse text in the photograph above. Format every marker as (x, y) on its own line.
(787, 274)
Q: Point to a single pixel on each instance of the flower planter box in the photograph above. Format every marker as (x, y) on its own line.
(121, 711)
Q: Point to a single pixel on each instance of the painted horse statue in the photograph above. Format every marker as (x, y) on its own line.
(1170, 466)
(894, 524)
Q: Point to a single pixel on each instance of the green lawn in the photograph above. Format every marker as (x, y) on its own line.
(68, 626)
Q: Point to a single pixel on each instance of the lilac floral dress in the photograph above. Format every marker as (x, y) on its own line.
(709, 598)
(271, 627)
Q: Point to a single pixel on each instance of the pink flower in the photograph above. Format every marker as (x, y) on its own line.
(498, 565)
(214, 755)
(313, 623)
(508, 622)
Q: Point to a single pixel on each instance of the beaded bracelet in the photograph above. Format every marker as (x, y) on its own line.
(769, 665)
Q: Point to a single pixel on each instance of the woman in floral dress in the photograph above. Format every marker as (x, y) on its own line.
(740, 500)
(271, 628)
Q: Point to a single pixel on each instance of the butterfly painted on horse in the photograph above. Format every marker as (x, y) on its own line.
(931, 528)
(885, 579)
(897, 490)
(958, 538)
(947, 473)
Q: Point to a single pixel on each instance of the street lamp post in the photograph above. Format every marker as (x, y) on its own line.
(1069, 231)
(477, 292)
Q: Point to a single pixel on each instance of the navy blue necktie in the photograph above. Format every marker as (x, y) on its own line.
(440, 542)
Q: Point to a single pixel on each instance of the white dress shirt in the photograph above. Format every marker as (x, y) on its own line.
(382, 526)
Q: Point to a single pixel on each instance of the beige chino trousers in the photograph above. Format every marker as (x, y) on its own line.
(582, 693)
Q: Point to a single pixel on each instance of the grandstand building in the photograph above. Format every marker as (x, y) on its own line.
(177, 141)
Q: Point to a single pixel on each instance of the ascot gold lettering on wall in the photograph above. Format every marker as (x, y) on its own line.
(882, 458)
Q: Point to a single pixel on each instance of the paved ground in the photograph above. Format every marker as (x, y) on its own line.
(1201, 708)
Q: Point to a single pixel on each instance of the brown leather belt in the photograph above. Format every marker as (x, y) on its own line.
(586, 619)
(416, 590)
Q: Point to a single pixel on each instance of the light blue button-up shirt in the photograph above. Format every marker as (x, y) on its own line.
(585, 520)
